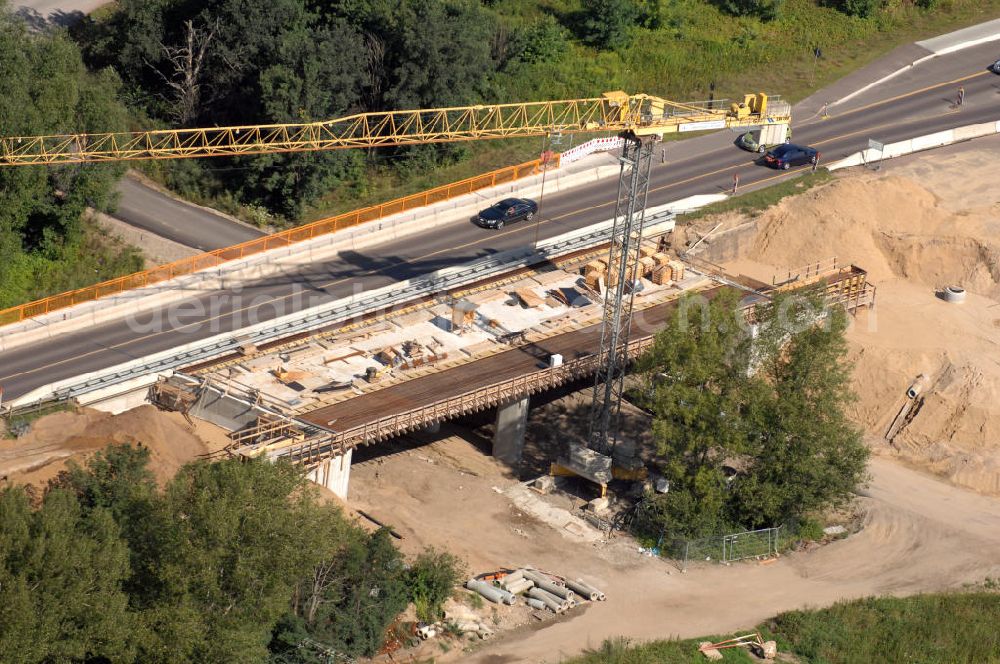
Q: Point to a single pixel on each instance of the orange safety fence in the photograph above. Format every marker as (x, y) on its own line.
(284, 238)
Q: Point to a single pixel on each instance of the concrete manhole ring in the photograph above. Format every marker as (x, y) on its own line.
(953, 294)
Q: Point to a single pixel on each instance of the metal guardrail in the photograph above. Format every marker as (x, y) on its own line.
(258, 245)
(340, 310)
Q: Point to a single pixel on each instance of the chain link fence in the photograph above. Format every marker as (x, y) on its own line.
(645, 523)
(728, 548)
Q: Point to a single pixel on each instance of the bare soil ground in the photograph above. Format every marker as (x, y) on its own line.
(923, 223)
(42, 453)
(918, 534)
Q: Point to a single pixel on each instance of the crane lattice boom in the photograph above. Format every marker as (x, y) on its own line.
(614, 111)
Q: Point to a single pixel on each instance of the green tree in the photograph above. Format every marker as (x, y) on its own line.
(432, 579)
(699, 394)
(351, 598)
(221, 555)
(47, 90)
(115, 478)
(859, 8)
(61, 570)
(770, 404)
(544, 40)
(608, 24)
(807, 454)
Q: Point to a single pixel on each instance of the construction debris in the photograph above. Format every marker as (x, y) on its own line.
(544, 484)
(529, 297)
(766, 650)
(752, 641)
(544, 590)
(708, 651)
(463, 315)
(586, 463)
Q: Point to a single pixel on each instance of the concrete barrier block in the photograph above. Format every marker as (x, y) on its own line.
(892, 150)
(933, 140)
(974, 131)
(855, 159)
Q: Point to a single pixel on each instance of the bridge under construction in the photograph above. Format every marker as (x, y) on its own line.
(493, 345)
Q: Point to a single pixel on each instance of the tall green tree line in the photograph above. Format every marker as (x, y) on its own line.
(45, 89)
(239, 62)
(229, 562)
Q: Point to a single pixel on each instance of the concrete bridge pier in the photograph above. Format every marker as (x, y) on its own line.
(333, 473)
(511, 423)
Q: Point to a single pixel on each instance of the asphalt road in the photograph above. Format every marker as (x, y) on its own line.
(190, 225)
(702, 165)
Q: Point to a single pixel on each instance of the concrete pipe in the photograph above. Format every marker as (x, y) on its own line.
(519, 587)
(917, 387)
(583, 590)
(464, 627)
(516, 575)
(494, 595)
(953, 294)
(536, 603)
(509, 598)
(545, 584)
(563, 603)
(551, 602)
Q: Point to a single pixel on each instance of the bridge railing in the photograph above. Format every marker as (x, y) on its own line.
(281, 239)
(460, 404)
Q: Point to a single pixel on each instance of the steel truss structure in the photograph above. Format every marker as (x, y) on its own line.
(614, 111)
(623, 261)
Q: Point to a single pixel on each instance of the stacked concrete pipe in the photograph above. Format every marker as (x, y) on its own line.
(585, 590)
(536, 603)
(547, 585)
(492, 593)
(553, 603)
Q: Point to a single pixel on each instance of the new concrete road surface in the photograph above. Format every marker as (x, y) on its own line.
(190, 225)
(702, 165)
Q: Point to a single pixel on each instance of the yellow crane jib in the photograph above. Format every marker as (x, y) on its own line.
(613, 112)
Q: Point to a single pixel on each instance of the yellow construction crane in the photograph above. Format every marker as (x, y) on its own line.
(611, 112)
(638, 119)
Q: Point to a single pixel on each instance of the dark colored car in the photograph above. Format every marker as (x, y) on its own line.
(995, 67)
(507, 211)
(788, 155)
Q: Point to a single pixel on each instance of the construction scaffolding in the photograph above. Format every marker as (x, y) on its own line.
(623, 271)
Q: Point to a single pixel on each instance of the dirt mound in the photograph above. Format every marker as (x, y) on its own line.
(892, 226)
(922, 226)
(956, 429)
(42, 453)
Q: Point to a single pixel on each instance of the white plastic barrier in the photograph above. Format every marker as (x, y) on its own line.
(917, 144)
(590, 147)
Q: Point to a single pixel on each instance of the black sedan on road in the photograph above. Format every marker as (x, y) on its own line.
(788, 155)
(507, 211)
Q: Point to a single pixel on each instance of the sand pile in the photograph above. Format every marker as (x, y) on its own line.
(42, 453)
(932, 222)
(892, 226)
(956, 429)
